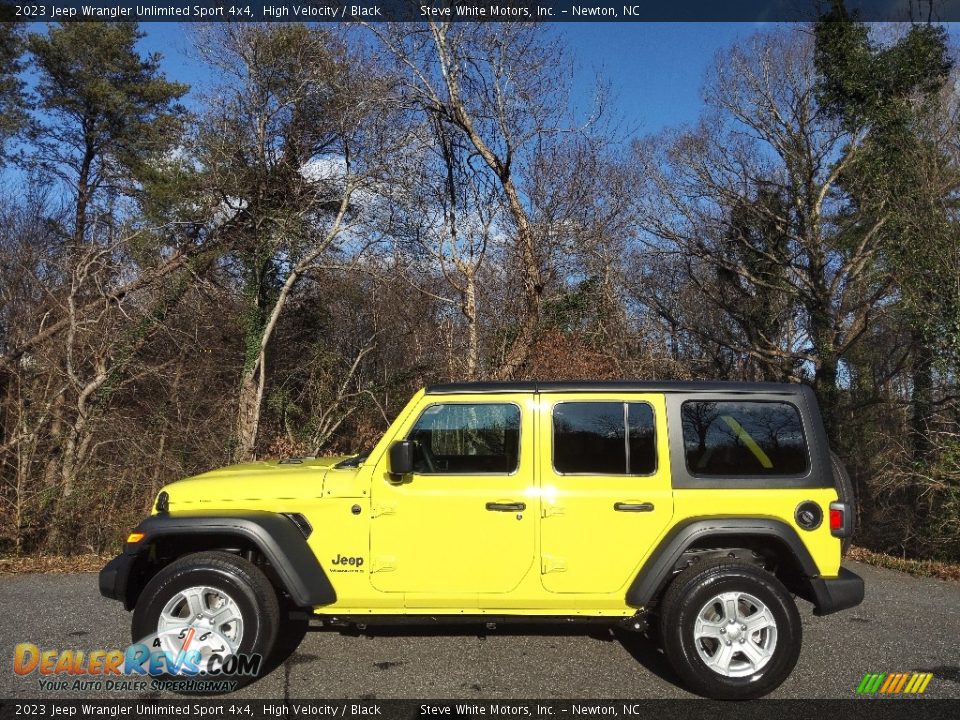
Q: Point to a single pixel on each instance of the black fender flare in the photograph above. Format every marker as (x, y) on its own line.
(656, 572)
(276, 536)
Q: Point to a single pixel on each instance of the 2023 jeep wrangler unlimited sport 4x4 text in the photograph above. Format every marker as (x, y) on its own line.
(697, 510)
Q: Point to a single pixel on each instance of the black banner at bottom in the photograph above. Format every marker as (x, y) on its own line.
(859, 709)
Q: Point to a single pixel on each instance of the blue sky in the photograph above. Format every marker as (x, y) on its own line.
(655, 69)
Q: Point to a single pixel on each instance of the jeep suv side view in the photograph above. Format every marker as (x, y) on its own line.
(694, 511)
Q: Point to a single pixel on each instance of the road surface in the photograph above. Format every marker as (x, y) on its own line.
(905, 624)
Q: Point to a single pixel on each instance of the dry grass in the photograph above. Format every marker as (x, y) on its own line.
(921, 568)
(52, 564)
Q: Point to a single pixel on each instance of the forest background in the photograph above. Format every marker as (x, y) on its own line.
(347, 214)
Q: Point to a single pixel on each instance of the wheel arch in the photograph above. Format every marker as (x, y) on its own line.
(279, 541)
(773, 539)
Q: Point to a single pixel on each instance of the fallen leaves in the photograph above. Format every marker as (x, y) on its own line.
(921, 568)
(52, 564)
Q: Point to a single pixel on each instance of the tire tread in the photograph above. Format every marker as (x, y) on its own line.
(266, 603)
(674, 602)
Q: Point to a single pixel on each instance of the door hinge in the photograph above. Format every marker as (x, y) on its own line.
(383, 563)
(386, 509)
(550, 563)
(548, 509)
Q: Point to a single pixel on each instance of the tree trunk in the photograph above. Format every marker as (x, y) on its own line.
(254, 379)
(825, 385)
(525, 242)
(823, 334)
(922, 397)
(55, 445)
(473, 332)
(532, 288)
(248, 417)
(83, 197)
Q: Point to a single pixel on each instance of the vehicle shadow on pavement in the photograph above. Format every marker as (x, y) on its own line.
(950, 673)
(295, 628)
(646, 652)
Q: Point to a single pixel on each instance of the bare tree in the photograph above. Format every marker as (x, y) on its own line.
(107, 113)
(748, 205)
(295, 136)
(12, 99)
(500, 88)
(450, 220)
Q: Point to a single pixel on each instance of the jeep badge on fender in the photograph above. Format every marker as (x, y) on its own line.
(697, 508)
(344, 560)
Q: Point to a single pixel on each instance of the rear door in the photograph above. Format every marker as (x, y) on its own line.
(605, 489)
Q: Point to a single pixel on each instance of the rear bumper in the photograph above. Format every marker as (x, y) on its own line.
(831, 595)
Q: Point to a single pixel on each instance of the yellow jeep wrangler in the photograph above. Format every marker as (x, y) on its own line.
(692, 511)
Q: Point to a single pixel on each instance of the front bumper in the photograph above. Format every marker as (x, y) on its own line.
(831, 595)
(115, 577)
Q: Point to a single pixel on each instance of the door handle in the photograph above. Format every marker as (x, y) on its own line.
(633, 507)
(506, 507)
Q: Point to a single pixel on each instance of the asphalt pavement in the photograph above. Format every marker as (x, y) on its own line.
(905, 624)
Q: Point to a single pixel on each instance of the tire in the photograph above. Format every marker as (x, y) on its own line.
(689, 642)
(220, 582)
(846, 493)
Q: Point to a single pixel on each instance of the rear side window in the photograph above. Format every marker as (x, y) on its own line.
(459, 438)
(603, 438)
(743, 438)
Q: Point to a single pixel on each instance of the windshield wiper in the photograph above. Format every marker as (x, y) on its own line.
(354, 461)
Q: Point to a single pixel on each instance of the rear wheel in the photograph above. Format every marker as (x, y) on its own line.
(206, 608)
(730, 630)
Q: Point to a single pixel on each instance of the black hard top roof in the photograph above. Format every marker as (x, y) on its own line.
(572, 386)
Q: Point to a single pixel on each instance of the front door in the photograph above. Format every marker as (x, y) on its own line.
(463, 521)
(605, 486)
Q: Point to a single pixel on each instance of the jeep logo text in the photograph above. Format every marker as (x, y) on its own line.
(344, 560)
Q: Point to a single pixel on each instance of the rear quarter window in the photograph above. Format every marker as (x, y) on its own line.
(743, 438)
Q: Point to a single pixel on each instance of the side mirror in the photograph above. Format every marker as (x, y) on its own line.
(401, 458)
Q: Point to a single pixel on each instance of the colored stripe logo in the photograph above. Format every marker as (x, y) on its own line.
(894, 683)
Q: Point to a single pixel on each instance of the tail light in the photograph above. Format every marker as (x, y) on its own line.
(840, 519)
(836, 519)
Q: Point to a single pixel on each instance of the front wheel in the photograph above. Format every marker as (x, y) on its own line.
(212, 619)
(730, 630)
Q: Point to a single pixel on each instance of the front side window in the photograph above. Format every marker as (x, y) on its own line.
(603, 438)
(743, 438)
(467, 438)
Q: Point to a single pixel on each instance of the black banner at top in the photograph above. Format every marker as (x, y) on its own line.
(478, 709)
(471, 10)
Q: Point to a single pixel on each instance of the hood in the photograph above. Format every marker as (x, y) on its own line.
(264, 480)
